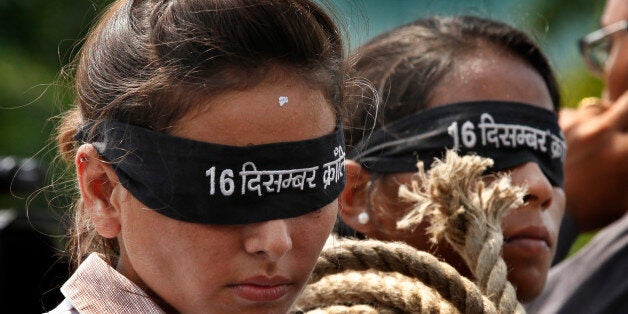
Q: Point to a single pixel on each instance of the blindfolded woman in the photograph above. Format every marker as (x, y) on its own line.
(208, 154)
(475, 85)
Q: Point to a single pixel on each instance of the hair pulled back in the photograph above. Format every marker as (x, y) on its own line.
(407, 63)
(149, 62)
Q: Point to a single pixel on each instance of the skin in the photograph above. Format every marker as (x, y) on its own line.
(202, 268)
(530, 231)
(596, 135)
(616, 70)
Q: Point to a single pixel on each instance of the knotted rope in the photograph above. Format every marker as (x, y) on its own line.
(462, 210)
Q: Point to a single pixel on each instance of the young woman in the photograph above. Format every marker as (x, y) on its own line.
(208, 154)
(469, 83)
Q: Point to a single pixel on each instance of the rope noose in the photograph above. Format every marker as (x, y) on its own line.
(463, 211)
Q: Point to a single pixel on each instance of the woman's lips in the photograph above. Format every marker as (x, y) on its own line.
(533, 239)
(262, 289)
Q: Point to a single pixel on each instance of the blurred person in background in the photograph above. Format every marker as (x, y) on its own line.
(596, 181)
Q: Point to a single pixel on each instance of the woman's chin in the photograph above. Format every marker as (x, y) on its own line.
(528, 279)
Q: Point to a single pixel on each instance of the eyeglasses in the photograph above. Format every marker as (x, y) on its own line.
(596, 47)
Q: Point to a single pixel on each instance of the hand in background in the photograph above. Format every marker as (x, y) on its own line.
(596, 167)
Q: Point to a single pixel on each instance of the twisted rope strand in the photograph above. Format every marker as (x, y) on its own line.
(406, 260)
(389, 290)
(354, 309)
(468, 215)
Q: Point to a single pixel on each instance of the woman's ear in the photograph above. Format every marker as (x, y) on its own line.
(96, 183)
(354, 199)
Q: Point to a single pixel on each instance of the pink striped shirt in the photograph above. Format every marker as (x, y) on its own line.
(96, 287)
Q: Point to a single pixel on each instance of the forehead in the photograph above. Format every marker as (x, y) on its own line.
(271, 112)
(614, 11)
(490, 74)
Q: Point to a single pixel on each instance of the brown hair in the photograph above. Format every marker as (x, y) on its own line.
(408, 62)
(148, 62)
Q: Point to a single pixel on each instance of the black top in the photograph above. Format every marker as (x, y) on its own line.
(595, 280)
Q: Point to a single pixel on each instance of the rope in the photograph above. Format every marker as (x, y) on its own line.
(387, 290)
(463, 211)
(354, 309)
(468, 215)
(401, 258)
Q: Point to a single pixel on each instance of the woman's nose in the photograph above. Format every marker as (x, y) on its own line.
(269, 239)
(539, 187)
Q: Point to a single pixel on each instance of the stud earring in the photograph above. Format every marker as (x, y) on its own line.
(363, 218)
(98, 205)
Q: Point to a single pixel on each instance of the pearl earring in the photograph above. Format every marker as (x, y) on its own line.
(363, 218)
(98, 205)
